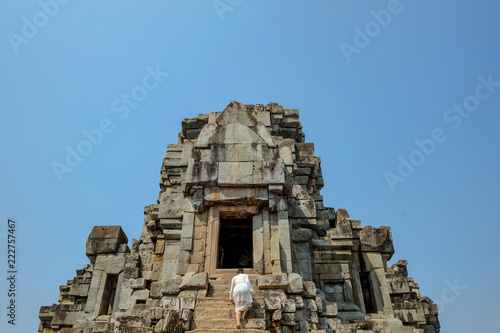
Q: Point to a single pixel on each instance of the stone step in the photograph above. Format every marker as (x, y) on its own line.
(209, 312)
(224, 299)
(233, 330)
(225, 282)
(255, 311)
(219, 324)
(213, 303)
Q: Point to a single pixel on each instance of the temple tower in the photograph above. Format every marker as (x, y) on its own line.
(241, 188)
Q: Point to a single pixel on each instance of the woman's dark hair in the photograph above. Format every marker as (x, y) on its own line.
(240, 270)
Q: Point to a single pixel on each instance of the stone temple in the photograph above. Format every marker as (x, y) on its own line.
(241, 188)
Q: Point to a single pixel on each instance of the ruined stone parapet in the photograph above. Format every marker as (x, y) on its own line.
(241, 187)
(409, 306)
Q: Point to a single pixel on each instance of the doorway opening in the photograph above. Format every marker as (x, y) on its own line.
(235, 244)
(367, 290)
(108, 296)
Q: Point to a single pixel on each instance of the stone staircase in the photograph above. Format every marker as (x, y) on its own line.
(214, 313)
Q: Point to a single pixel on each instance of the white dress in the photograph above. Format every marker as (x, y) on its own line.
(241, 292)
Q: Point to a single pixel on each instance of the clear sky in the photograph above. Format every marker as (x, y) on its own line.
(401, 98)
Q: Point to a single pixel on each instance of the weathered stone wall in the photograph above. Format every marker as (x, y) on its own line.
(314, 269)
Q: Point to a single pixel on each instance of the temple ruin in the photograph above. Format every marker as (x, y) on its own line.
(241, 187)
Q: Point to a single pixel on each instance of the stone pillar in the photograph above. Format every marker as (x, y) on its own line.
(186, 245)
(170, 257)
(92, 301)
(258, 243)
(375, 264)
(212, 240)
(284, 241)
(275, 245)
(267, 241)
(356, 286)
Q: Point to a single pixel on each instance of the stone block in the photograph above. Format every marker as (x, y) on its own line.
(137, 283)
(236, 196)
(175, 224)
(301, 208)
(204, 138)
(373, 260)
(309, 289)
(172, 250)
(351, 316)
(342, 230)
(331, 310)
(66, 318)
(310, 305)
(279, 281)
(115, 264)
(305, 153)
(251, 173)
(146, 247)
(291, 112)
(276, 189)
(263, 117)
(302, 180)
(288, 319)
(239, 133)
(131, 272)
(323, 324)
(273, 303)
(295, 284)
(331, 269)
(170, 203)
(172, 234)
(239, 152)
(399, 285)
(277, 315)
(299, 315)
(301, 234)
(197, 281)
(289, 306)
(236, 173)
(162, 288)
(342, 244)
(153, 302)
(342, 215)
(188, 303)
(71, 330)
(299, 301)
(171, 323)
(320, 303)
(170, 303)
(298, 192)
(356, 225)
(286, 151)
(139, 294)
(376, 239)
(105, 239)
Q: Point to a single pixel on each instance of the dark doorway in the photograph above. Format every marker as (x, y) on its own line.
(108, 297)
(367, 289)
(235, 243)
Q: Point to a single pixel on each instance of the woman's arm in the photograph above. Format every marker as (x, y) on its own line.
(231, 291)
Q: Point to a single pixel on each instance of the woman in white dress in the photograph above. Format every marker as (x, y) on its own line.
(241, 295)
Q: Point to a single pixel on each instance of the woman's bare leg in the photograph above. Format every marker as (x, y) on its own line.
(238, 318)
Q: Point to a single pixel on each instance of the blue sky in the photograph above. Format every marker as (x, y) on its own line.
(370, 78)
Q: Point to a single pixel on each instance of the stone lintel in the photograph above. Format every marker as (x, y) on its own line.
(236, 196)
